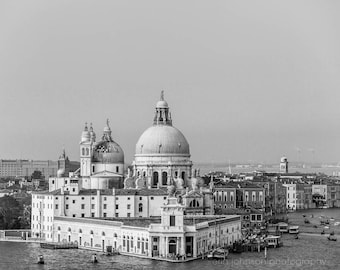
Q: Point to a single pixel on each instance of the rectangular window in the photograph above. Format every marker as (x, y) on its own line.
(73, 201)
(83, 206)
(66, 206)
(104, 206)
(128, 214)
(128, 206)
(104, 198)
(172, 221)
(104, 214)
(117, 215)
(151, 198)
(128, 198)
(82, 198)
(92, 206)
(82, 215)
(56, 206)
(92, 214)
(140, 198)
(116, 206)
(73, 215)
(117, 169)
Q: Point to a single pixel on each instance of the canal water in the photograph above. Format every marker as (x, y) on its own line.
(310, 251)
(307, 252)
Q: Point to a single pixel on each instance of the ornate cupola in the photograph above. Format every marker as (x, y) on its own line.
(107, 132)
(162, 113)
(92, 134)
(85, 135)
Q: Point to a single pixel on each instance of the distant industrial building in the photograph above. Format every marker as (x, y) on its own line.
(25, 168)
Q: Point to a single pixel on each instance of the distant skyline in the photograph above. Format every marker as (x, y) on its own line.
(245, 80)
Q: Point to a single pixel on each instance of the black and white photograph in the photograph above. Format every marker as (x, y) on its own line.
(179, 134)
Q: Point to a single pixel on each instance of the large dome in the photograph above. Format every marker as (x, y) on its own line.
(162, 139)
(107, 152)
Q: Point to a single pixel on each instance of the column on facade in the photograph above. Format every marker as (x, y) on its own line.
(98, 206)
(177, 245)
(166, 239)
(194, 247)
(183, 245)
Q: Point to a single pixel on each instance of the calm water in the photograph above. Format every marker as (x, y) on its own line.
(308, 252)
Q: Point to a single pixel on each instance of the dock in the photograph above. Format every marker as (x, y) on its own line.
(59, 245)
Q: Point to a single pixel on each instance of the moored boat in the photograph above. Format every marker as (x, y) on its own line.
(294, 229)
(218, 253)
(274, 241)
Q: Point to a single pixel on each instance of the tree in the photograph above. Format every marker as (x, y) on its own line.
(9, 213)
(36, 175)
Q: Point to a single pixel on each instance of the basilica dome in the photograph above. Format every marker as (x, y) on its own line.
(162, 139)
(107, 150)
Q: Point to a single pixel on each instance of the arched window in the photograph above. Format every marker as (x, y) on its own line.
(164, 178)
(83, 151)
(140, 207)
(194, 203)
(144, 174)
(91, 232)
(155, 178)
(80, 231)
(103, 233)
(183, 175)
(69, 229)
(87, 151)
(176, 174)
(115, 235)
(59, 228)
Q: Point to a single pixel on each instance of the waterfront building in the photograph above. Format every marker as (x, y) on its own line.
(308, 196)
(291, 196)
(250, 195)
(96, 189)
(333, 195)
(300, 196)
(275, 198)
(173, 235)
(225, 196)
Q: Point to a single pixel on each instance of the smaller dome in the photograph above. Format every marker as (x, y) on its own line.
(141, 183)
(129, 182)
(107, 152)
(284, 159)
(162, 104)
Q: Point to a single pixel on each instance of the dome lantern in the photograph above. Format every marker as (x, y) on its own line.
(162, 112)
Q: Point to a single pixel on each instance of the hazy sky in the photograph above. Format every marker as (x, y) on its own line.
(245, 80)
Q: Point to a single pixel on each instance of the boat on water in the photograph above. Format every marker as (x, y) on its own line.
(331, 238)
(294, 229)
(41, 259)
(218, 253)
(274, 241)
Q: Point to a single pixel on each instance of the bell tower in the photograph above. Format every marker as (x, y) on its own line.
(86, 152)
